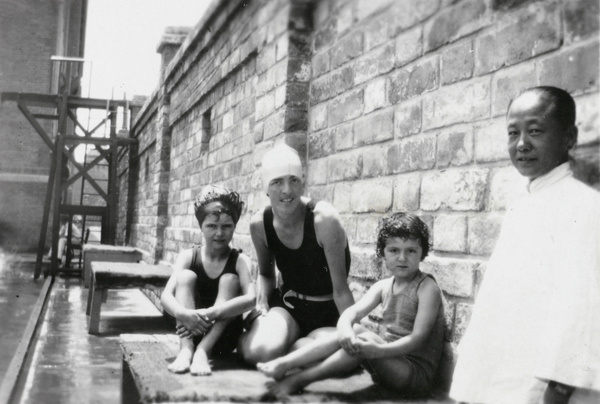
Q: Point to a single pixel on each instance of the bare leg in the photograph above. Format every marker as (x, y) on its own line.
(228, 289)
(312, 351)
(270, 336)
(313, 335)
(392, 372)
(184, 293)
(335, 365)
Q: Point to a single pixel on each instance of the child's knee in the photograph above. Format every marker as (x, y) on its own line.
(186, 279)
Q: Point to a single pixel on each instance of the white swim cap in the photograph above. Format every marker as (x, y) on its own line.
(279, 161)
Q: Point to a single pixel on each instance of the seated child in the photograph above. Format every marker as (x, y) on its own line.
(406, 355)
(203, 294)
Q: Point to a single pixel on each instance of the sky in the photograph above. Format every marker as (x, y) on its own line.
(121, 41)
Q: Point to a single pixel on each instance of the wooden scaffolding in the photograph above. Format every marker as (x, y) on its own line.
(61, 108)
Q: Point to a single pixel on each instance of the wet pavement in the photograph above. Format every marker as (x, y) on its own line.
(18, 295)
(68, 365)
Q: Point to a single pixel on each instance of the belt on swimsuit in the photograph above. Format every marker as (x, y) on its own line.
(293, 293)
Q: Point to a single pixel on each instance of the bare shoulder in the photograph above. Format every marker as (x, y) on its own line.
(327, 217)
(184, 259)
(243, 261)
(257, 221)
(429, 289)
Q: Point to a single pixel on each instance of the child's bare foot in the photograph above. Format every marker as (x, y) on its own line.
(182, 362)
(285, 387)
(200, 365)
(275, 368)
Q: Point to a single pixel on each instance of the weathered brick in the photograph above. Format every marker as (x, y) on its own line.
(365, 264)
(459, 190)
(365, 8)
(455, 276)
(406, 192)
(536, 32)
(508, 83)
(407, 13)
(318, 117)
(366, 228)
(282, 47)
(320, 144)
(349, 223)
(491, 140)
(409, 46)
(325, 34)
(342, 197)
(450, 233)
(375, 95)
(348, 48)
(581, 19)
(376, 32)
(259, 132)
(346, 107)
(374, 128)
(321, 192)
(265, 105)
(344, 136)
(373, 163)
(373, 64)
(411, 154)
(506, 185)
(343, 18)
(457, 62)
(274, 125)
(266, 58)
(574, 71)
(298, 70)
(483, 233)
(377, 199)
(320, 63)
(414, 80)
(455, 146)
(332, 84)
(466, 101)
(296, 119)
(462, 319)
(407, 119)
(345, 166)
(280, 97)
(588, 119)
(455, 22)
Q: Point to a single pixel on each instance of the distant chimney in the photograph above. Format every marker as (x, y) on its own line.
(169, 44)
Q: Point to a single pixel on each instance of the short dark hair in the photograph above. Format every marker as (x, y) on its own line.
(230, 200)
(562, 102)
(405, 226)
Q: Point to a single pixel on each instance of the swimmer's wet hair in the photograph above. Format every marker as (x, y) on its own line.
(230, 200)
(404, 226)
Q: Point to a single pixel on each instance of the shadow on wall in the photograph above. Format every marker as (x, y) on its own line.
(586, 166)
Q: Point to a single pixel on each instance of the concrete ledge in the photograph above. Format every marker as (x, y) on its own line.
(146, 379)
(104, 252)
(119, 275)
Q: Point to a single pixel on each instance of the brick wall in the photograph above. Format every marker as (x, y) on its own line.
(393, 105)
(25, 67)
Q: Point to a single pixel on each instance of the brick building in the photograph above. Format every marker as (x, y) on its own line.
(394, 105)
(32, 31)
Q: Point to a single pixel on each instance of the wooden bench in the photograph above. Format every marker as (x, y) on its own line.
(145, 379)
(119, 275)
(104, 252)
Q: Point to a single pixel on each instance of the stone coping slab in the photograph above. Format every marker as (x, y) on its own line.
(147, 380)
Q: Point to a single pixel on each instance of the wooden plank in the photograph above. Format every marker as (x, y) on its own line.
(51, 100)
(38, 128)
(15, 368)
